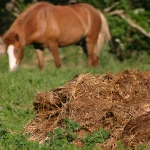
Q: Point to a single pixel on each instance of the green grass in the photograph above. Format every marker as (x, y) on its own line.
(18, 89)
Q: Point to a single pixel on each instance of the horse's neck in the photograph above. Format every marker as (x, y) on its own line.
(22, 38)
(18, 30)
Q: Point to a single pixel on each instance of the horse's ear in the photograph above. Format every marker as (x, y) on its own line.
(16, 36)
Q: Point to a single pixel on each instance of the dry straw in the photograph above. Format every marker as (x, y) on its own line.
(115, 101)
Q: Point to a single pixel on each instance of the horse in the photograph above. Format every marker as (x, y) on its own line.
(49, 26)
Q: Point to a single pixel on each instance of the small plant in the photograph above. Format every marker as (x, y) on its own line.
(57, 138)
(71, 127)
(121, 146)
(60, 137)
(141, 147)
(97, 136)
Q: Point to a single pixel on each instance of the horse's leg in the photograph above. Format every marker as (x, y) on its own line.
(84, 47)
(53, 47)
(92, 57)
(40, 57)
(95, 58)
(96, 55)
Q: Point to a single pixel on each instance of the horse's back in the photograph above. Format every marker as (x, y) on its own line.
(66, 24)
(76, 21)
(94, 18)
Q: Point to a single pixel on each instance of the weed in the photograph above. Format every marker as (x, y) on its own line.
(70, 128)
(59, 137)
(121, 146)
(97, 136)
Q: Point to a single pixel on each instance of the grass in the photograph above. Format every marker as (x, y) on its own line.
(18, 89)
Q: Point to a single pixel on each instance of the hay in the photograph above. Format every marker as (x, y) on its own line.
(137, 130)
(110, 100)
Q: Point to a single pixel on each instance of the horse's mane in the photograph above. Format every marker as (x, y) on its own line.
(16, 27)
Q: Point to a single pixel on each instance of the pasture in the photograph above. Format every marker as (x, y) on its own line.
(18, 89)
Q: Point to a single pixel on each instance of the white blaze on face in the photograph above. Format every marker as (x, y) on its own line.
(12, 58)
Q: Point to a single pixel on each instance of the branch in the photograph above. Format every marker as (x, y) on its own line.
(121, 14)
(116, 12)
(111, 7)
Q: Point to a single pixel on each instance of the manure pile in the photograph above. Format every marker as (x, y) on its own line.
(118, 102)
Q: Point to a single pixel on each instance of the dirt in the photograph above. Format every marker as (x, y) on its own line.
(119, 102)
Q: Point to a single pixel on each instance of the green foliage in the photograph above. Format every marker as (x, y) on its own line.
(123, 4)
(59, 137)
(96, 137)
(141, 147)
(21, 5)
(121, 146)
(95, 3)
(127, 40)
(141, 18)
(71, 127)
(12, 141)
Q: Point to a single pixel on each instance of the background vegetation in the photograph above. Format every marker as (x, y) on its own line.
(18, 89)
(128, 39)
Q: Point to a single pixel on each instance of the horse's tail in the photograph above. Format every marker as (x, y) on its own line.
(104, 34)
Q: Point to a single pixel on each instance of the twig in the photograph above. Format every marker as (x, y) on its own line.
(121, 14)
(111, 7)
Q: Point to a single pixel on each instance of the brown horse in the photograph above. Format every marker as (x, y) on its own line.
(46, 25)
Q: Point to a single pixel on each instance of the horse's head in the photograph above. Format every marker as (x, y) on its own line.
(14, 50)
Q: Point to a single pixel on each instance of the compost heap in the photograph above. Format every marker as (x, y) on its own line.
(118, 102)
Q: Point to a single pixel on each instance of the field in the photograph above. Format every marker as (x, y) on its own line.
(18, 89)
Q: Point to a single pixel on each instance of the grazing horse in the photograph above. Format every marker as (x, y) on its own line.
(50, 26)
